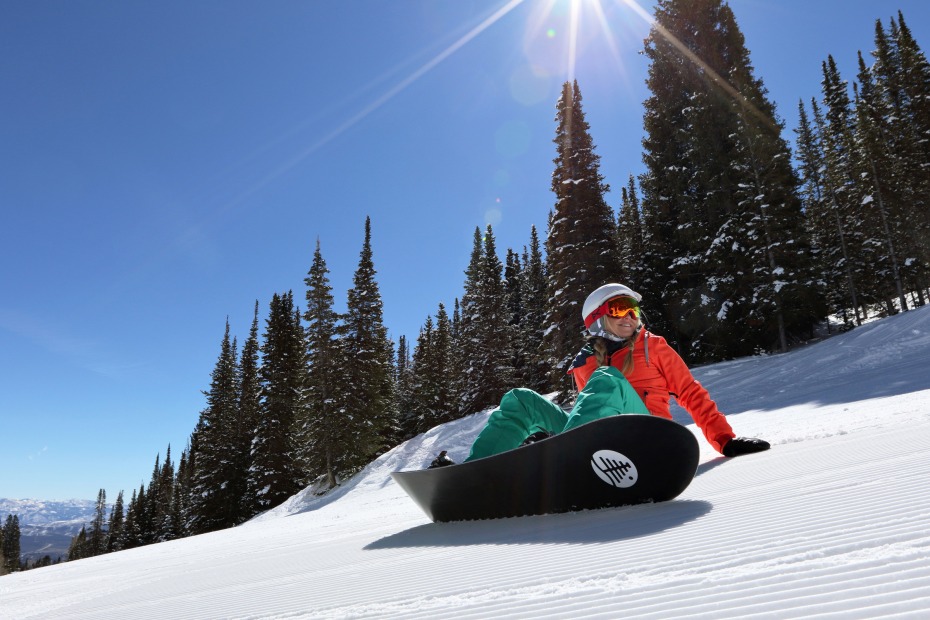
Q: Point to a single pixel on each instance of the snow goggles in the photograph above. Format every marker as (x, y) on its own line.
(616, 308)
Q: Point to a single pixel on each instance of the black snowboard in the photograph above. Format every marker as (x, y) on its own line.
(616, 461)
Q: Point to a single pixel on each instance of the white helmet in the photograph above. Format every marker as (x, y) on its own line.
(597, 299)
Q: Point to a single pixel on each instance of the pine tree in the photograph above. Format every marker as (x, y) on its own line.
(722, 220)
(407, 418)
(322, 428)
(837, 129)
(368, 407)
(115, 525)
(914, 71)
(128, 536)
(275, 474)
(630, 240)
(248, 410)
(78, 549)
(444, 405)
(145, 521)
(841, 209)
(181, 516)
(532, 326)
(894, 158)
(581, 251)
(422, 380)
(213, 505)
(163, 498)
(778, 297)
(881, 188)
(458, 363)
(684, 186)
(826, 224)
(431, 374)
(513, 302)
(465, 322)
(96, 540)
(10, 544)
(485, 334)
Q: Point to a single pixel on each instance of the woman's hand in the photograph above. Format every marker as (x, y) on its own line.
(744, 445)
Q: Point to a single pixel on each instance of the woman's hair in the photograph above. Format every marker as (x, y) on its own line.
(600, 352)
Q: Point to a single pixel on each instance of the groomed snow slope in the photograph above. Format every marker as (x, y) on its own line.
(834, 521)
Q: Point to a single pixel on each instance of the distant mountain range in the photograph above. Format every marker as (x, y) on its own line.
(46, 527)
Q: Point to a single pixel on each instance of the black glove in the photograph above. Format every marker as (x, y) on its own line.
(744, 445)
(441, 460)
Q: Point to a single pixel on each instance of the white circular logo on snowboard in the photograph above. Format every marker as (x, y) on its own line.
(614, 468)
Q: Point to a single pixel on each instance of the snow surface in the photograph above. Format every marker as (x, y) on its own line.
(834, 521)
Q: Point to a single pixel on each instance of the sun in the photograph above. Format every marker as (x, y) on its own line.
(559, 32)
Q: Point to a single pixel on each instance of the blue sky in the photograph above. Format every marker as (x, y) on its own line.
(163, 165)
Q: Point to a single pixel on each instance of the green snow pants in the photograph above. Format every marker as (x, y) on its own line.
(523, 412)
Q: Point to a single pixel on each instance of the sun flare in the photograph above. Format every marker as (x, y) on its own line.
(561, 34)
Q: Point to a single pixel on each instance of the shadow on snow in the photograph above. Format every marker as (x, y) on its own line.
(580, 528)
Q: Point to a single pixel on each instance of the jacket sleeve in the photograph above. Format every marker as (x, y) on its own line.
(691, 395)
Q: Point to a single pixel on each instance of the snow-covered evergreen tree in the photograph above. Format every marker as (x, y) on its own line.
(248, 412)
(484, 336)
(532, 324)
(115, 525)
(274, 474)
(181, 500)
(630, 240)
(722, 220)
(513, 301)
(826, 224)
(212, 506)
(431, 374)
(893, 160)
(96, 539)
(320, 429)
(404, 376)
(10, 544)
(367, 400)
(881, 188)
(581, 252)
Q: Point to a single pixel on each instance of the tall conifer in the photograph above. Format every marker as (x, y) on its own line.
(322, 427)
(248, 412)
(115, 525)
(581, 252)
(722, 220)
(485, 334)
(367, 393)
(10, 543)
(212, 506)
(532, 325)
(96, 540)
(630, 240)
(274, 474)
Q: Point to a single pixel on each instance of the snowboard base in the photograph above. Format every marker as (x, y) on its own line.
(616, 461)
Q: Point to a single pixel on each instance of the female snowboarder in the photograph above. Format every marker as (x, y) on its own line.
(623, 368)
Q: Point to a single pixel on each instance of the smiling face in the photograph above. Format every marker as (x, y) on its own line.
(622, 327)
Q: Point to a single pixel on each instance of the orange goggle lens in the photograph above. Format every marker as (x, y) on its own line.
(622, 306)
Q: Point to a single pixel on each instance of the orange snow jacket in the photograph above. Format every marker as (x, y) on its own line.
(658, 373)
